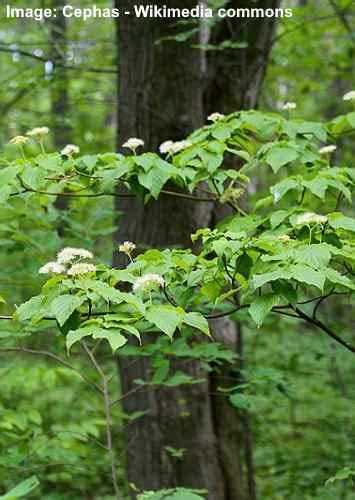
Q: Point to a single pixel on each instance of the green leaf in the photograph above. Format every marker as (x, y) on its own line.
(156, 177)
(240, 401)
(260, 279)
(222, 132)
(22, 489)
(63, 306)
(339, 221)
(7, 175)
(5, 192)
(166, 317)
(76, 335)
(335, 277)
(315, 256)
(161, 372)
(113, 337)
(29, 308)
(279, 156)
(261, 307)
(285, 289)
(33, 177)
(196, 320)
(306, 274)
(278, 217)
(131, 329)
(111, 294)
(181, 378)
(317, 186)
(351, 118)
(279, 190)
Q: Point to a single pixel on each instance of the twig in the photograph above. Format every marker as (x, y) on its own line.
(324, 328)
(107, 405)
(57, 359)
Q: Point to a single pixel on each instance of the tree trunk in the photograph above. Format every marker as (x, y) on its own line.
(236, 75)
(61, 130)
(163, 94)
(160, 98)
(59, 83)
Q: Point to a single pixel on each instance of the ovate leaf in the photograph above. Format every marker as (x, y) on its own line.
(339, 221)
(279, 156)
(63, 306)
(261, 307)
(29, 308)
(167, 318)
(309, 276)
(113, 337)
(196, 320)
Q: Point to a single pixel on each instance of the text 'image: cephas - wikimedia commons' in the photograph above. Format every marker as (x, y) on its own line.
(177, 236)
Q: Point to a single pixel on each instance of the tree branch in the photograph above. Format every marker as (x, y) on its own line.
(324, 328)
(59, 360)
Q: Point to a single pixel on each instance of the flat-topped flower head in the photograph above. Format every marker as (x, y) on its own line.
(133, 143)
(127, 247)
(70, 150)
(289, 105)
(325, 150)
(38, 132)
(349, 96)
(214, 117)
(309, 218)
(166, 146)
(171, 148)
(19, 140)
(148, 282)
(69, 254)
(52, 268)
(81, 268)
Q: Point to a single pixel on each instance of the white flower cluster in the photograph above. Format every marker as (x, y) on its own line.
(35, 132)
(214, 117)
(70, 150)
(69, 254)
(311, 218)
(19, 140)
(327, 149)
(133, 143)
(127, 247)
(81, 268)
(148, 282)
(349, 96)
(289, 105)
(171, 147)
(38, 132)
(65, 265)
(52, 268)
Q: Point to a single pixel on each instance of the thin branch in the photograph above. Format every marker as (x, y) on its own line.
(43, 59)
(59, 360)
(324, 328)
(107, 405)
(27, 189)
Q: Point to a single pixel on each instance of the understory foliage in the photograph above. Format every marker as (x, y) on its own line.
(284, 255)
